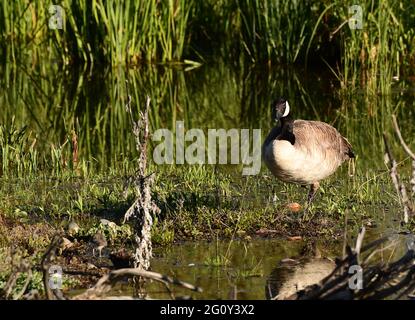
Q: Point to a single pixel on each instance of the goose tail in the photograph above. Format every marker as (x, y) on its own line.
(348, 149)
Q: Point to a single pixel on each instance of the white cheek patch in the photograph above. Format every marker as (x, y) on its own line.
(287, 109)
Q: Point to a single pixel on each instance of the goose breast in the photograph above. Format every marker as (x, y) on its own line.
(317, 152)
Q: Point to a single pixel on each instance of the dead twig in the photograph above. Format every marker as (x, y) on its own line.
(48, 257)
(106, 283)
(380, 281)
(403, 144)
(144, 208)
(409, 209)
(23, 267)
(399, 186)
(359, 242)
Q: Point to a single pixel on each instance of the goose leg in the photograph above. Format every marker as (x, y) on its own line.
(313, 190)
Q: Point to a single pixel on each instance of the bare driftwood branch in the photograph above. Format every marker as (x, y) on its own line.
(408, 208)
(106, 283)
(399, 186)
(403, 144)
(48, 257)
(380, 281)
(144, 208)
(359, 241)
(408, 151)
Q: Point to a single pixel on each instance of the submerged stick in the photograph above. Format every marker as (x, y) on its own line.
(51, 294)
(399, 187)
(154, 276)
(403, 144)
(106, 283)
(390, 280)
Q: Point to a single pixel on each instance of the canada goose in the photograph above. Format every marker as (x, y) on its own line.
(301, 151)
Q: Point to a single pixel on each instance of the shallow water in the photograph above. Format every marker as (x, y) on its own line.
(254, 269)
(245, 266)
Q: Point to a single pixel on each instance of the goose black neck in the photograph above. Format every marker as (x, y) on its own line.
(287, 126)
(287, 122)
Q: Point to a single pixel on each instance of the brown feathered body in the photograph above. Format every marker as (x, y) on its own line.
(314, 152)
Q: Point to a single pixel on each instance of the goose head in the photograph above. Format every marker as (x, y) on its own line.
(280, 109)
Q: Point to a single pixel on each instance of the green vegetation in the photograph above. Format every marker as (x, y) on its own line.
(130, 32)
(200, 208)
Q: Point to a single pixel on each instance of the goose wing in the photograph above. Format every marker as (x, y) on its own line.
(316, 136)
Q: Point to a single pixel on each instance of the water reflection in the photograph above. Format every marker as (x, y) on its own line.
(53, 102)
(258, 269)
(292, 275)
(225, 270)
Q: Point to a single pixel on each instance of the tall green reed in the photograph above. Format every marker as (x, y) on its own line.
(96, 32)
(56, 106)
(130, 32)
(372, 56)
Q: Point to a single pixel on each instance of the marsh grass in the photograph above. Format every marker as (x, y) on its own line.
(382, 50)
(201, 213)
(131, 32)
(96, 32)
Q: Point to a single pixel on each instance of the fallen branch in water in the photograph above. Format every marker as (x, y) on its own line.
(408, 151)
(102, 286)
(399, 186)
(52, 293)
(106, 283)
(378, 281)
(7, 291)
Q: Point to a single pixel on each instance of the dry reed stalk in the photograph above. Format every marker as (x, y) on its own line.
(144, 207)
